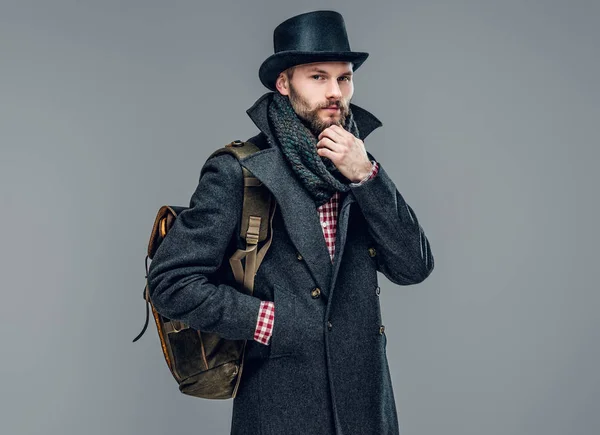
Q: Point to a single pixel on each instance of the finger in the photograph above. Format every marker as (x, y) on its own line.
(341, 131)
(331, 133)
(329, 144)
(326, 152)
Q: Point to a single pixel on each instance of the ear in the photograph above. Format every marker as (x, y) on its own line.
(282, 84)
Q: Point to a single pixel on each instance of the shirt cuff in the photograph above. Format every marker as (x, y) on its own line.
(374, 169)
(264, 323)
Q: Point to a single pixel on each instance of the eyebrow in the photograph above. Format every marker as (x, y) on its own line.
(317, 69)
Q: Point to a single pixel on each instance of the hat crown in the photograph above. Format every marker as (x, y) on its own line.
(313, 31)
(318, 36)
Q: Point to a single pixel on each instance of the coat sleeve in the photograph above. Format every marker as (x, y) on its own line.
(181, 275)
(403, 253)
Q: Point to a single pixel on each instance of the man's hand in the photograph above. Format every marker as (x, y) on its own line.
(346, 151)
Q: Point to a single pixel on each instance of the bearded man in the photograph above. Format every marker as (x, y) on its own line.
(315, 362)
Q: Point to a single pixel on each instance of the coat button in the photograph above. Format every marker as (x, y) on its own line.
(372, 252)
(315, 293)
(329, 325)
(298, 256)
(381, 329)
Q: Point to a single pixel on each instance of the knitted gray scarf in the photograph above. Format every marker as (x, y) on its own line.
(318, 174)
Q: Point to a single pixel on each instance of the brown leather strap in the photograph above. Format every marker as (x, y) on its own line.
(245, 276)
(236, 264)
(147, 315)
(239, 373)
(252, 181)
(147, 298)
(251, 241)
(174, 326)
(264, 249)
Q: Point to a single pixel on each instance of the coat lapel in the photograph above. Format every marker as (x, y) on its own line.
(298, 210)
(341, 232)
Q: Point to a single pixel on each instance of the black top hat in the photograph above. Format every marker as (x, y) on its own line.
(317, 36)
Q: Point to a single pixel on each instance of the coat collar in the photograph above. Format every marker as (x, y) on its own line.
(297, 208)
(365, 120)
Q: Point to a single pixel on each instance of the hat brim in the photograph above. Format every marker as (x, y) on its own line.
(278, 62)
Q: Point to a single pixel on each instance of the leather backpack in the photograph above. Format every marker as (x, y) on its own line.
(204, 364)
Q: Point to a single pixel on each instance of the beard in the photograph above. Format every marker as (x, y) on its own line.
(310, 117)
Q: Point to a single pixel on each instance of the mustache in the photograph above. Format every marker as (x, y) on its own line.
(338, 104)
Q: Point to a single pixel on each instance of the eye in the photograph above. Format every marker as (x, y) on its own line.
(347, 78)
(316, 75)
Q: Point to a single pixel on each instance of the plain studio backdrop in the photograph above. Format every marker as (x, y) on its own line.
(490, 114)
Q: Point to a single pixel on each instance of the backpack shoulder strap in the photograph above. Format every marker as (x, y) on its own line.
(256, 225)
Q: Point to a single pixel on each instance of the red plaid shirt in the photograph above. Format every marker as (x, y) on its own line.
(328, 216)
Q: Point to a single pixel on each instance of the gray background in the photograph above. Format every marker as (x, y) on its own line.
(490, 113)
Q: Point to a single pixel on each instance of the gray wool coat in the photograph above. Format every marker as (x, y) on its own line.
(325, 370)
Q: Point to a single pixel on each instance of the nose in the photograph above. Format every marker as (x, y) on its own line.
(333, 91)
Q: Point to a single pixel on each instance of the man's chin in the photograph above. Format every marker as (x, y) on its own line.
(317, 128)
(329, 120)
(332, 119)
(333, 122)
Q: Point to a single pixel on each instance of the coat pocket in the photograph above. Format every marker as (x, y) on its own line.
(286, 332)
